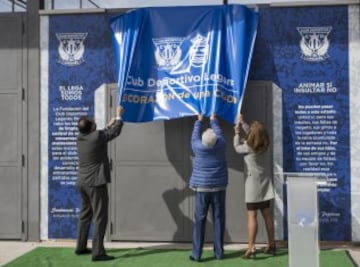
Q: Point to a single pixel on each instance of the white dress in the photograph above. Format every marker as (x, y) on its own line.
(258, 180)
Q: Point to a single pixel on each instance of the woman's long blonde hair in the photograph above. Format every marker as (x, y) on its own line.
(258, 137)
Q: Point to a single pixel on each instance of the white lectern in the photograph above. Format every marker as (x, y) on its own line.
(303, 225)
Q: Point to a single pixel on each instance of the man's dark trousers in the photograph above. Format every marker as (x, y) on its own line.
(202, 202)
(94, 205)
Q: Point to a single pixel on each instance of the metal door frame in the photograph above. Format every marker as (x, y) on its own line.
(22, 125)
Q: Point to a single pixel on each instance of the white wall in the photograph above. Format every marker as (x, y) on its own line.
(354, 61)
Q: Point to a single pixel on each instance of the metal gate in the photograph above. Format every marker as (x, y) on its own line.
(150, 198)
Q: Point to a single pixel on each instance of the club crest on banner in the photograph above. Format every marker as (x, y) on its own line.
(314, 43)
(71, 48)
(169, 55)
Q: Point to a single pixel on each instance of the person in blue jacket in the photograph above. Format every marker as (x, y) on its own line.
(209, 180)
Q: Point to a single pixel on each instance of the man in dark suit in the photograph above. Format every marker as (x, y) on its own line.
(93, 176)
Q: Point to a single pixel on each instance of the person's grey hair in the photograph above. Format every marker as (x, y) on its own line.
(208, 138)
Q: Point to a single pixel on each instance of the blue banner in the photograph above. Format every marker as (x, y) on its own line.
(168, 69)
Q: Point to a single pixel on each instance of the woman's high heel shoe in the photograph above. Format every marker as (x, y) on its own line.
(270, 249)
(250, 253)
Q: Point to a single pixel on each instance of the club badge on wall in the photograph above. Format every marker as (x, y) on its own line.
(314, 43)
(71, 48)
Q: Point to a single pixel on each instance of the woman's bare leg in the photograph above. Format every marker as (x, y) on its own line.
(269, 224)
(252, 228)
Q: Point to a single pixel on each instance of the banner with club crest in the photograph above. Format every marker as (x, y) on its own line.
(168, 69)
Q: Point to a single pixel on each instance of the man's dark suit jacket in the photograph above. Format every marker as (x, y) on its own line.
(94, 167)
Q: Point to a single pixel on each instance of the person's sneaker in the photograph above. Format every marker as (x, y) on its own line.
(103, 258)
(83, 251)
(193, 259)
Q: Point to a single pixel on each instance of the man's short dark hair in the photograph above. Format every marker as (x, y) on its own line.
(85, 125)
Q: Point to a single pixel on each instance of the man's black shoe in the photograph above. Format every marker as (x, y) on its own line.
(103, 258)
(83, 251)
(193, 259)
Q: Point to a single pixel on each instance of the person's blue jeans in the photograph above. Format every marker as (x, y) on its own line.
(202, 202)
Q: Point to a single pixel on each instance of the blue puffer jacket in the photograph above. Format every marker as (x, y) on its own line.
(209, 164)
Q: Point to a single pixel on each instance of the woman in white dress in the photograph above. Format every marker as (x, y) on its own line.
(258, 182)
